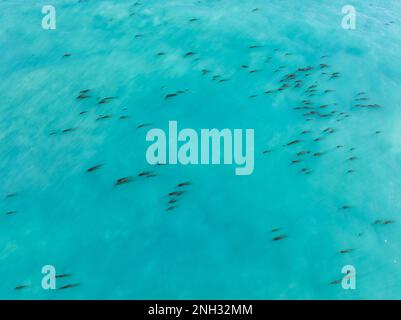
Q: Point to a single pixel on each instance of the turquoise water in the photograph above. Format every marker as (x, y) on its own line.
(119, 242)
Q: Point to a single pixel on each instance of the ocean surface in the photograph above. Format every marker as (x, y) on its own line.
(285, 68)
